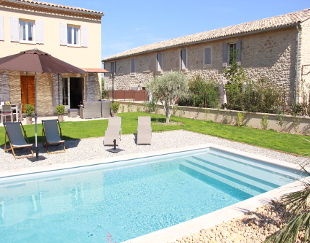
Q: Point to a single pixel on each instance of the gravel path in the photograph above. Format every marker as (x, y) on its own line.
(93, 148)
(249, 228)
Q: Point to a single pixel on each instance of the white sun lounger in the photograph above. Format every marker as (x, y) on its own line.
(144, 131)
(113, 131)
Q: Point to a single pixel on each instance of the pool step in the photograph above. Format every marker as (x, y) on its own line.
(216, 181)
(251, 184)
(237, 171)
(267, 171)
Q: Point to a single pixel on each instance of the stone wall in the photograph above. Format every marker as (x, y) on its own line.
(304, 64)
(92, 87)
(291, 124)
(4, 87)
(269, 54)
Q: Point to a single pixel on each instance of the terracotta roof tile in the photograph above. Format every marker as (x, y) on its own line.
(254, 26)
(45, 4)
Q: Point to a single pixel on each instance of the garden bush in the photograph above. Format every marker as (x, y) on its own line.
(202, 93)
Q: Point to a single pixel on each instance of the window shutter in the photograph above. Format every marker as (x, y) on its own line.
(132, 65)
(238, 47)
(39, 32)
(207, 57)
(113, 67)
(84, 36)
(159, 61)
(14, 29)
(63, 34)
(225, 54)
(183, 59)
(1, 28)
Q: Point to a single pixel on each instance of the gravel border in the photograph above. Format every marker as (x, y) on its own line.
(93, 148)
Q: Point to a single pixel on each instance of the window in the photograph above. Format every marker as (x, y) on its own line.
(231, 51)
(73, 35)
(183, 59)
(159, 62)
(207, 57)
(132, 65)
(26, 31)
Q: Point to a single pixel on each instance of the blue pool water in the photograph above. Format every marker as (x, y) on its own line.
(124, 200)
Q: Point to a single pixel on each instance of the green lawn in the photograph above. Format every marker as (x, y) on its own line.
(291, 143)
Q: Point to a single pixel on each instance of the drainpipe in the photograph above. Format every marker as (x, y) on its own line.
(298, 27)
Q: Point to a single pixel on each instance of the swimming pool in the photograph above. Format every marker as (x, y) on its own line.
(130, 198)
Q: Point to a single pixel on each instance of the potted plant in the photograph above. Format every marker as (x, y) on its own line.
(114, 108)
(29, 110)
(60, 110)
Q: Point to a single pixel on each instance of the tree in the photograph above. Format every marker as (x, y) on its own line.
(167, 89)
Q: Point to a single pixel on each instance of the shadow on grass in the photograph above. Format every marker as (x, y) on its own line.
(159, 120)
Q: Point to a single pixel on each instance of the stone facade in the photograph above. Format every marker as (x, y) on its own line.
(48, 89)
(280, 54)
(4, 86)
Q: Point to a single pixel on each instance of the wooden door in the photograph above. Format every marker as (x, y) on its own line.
(27, 90)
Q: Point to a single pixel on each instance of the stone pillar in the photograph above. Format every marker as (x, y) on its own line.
(57, 89)
(92, 87)
(4, 87)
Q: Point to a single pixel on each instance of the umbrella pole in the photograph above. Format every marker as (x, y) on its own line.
(36, 118)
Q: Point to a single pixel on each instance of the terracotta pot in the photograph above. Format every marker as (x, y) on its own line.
(28, 120)
(61, 118)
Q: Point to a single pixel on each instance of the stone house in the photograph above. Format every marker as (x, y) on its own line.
(68, 33)
(277, 48)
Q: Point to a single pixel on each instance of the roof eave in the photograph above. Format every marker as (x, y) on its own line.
(96, 14)
(203, 41)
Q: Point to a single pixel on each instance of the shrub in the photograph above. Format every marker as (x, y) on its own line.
(115, 106)
(202, 93)
(264, 122)
(261, 96)
(29, 109)
(239, 119)
(150, 106)
(60, 109)
(104, 94)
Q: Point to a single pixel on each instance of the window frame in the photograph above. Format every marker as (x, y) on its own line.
(24, 33)
(237, 45)
(74, 35)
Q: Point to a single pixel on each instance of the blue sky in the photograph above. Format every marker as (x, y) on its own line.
(127, 24)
